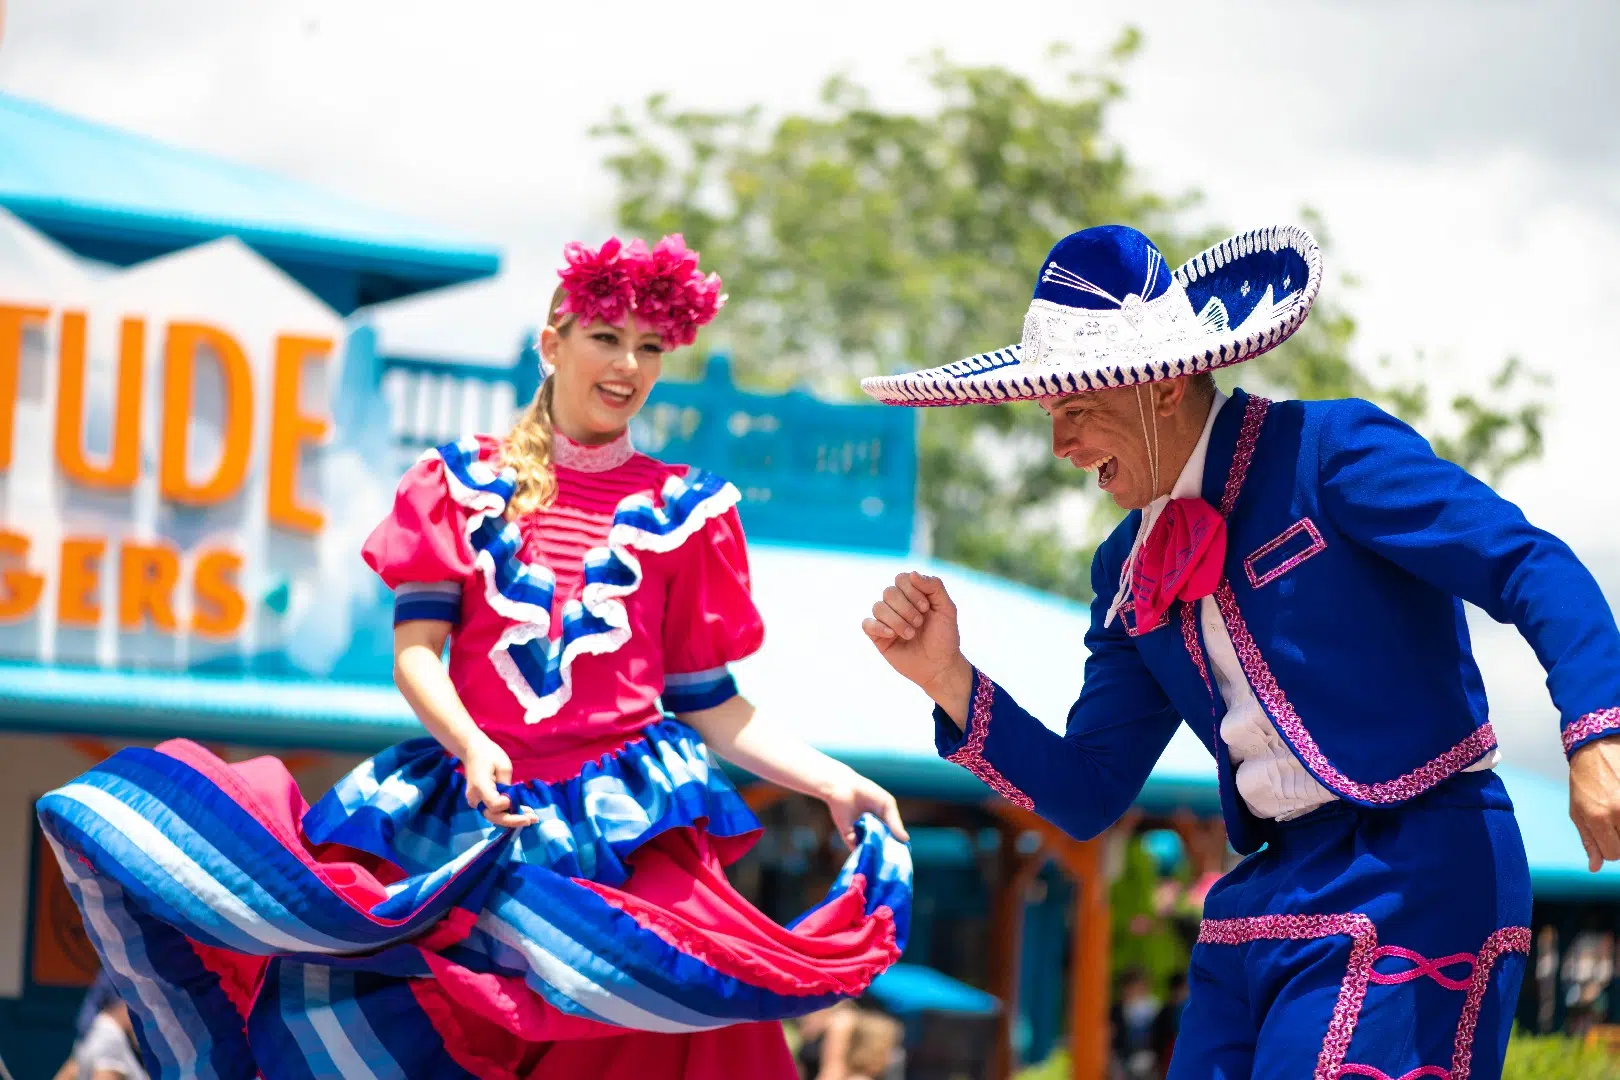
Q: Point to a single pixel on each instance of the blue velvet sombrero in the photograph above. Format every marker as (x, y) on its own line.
(1108, 313)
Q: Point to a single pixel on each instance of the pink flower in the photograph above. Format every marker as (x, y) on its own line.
(600, 284)
(663, 287)
(662, 279)
(674, 256)
(700, 300)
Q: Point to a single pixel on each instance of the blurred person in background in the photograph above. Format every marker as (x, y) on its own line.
(97, 996)
(538, 886)
(1167, 1025)
(851, 1042)
(1133, 1012)
(107, 1049)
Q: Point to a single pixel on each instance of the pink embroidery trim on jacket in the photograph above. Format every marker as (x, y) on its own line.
(1195, 648)
(1303, 525)
(970, 755)
(1275, 702)
(1601, 722)
(1364, 953)
(1479, 743)
(1254, 415)
(1127, 619)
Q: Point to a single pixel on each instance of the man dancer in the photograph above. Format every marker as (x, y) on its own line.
(1289, 583)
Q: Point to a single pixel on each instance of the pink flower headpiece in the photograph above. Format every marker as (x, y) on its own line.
(663, 288)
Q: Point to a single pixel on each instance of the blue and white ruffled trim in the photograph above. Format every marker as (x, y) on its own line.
(161, 851)
(408, 805)
(535, 668)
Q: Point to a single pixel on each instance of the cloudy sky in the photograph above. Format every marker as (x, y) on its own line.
(1464, 153)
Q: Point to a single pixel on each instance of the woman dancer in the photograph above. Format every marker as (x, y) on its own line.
(537, 890)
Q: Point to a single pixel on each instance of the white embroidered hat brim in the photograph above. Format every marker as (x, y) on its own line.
(1185, 330)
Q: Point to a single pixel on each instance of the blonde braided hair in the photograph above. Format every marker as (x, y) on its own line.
(527, 448)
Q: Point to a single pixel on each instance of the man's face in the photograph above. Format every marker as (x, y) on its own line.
(1106, 431)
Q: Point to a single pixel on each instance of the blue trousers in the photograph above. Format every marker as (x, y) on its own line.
(1384, 943)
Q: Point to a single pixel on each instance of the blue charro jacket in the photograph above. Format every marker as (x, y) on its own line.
(1350, 548)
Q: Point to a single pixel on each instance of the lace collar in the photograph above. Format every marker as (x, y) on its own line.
(568, 454)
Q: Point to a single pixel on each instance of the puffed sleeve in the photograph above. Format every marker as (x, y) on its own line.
(420, 549)
(710, 620)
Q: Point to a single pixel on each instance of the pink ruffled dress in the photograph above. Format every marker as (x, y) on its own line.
(390, 930)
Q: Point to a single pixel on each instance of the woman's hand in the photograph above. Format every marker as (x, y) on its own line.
(420, 674)
(735, 731)
(850, 795)
(486, 765)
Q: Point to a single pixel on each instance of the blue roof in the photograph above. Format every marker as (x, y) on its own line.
(905, 989)
(816, 673)
(97, 188)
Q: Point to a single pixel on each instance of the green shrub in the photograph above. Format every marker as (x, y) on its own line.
(1530, 1057)
(1555, 1057)
(1055, 1067)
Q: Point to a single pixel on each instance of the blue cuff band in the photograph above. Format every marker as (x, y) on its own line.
(698, 690)
(434, 601)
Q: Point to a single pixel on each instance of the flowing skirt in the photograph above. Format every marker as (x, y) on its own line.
(391, 931)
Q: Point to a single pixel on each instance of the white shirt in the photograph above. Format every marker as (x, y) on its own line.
(1270, 779)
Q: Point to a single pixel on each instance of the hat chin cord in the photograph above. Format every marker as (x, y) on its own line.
(1150, 442)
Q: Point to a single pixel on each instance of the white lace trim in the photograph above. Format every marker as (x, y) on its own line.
(568, 454)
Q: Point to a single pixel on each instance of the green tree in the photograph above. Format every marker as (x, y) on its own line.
(857, 240)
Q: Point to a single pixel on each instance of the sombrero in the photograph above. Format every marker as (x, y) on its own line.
(1107, 312)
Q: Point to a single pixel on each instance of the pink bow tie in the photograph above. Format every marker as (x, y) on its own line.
(1181, 559)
